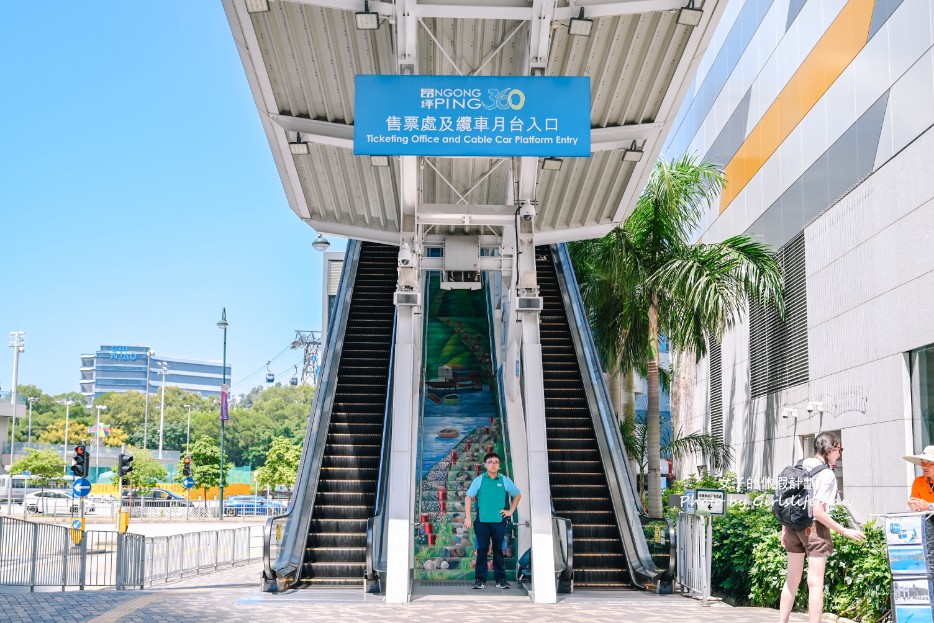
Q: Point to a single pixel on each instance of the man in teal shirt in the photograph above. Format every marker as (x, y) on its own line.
(489, 490)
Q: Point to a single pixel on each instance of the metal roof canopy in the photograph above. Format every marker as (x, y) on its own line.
(301, 57)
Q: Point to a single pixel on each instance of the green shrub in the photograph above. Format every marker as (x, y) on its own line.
(735, 535)
(856, 584)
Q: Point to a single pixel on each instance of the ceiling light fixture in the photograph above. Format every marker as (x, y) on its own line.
(552, 164)
(321, 243)
(633, 154)
(580, 26)
(298, 147)
(257, 6)
(367, 20)
(690, 16)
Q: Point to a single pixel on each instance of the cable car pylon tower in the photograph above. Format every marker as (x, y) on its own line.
(310, 342)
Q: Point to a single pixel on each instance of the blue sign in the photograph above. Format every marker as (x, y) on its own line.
(472, 116)
(189, 482)
(76, 524)
(81, 487)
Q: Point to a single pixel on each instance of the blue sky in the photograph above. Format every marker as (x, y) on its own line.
(138, 195)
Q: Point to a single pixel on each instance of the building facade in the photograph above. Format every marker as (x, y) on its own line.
(821, 113)
(134, 368)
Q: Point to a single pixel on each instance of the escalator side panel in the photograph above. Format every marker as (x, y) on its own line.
(346, 491)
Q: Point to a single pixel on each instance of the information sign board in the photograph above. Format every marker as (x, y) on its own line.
(492, 116)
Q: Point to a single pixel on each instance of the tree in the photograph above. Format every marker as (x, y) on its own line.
(676, 444)
(281, 464)
(42, 465)
(147, 471)
(205, 464)
(655, 282)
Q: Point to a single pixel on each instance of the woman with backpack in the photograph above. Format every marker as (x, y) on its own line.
(814, 541)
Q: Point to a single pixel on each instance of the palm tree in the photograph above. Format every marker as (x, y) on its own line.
(646, 279)
(716, 451)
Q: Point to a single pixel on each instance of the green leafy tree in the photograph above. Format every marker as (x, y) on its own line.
(42, 465)
(653, 281)
(281, 466)
(205, 464)
(147, 471)
(675, 444)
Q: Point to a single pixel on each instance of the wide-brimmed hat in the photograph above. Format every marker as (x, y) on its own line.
(926, 455)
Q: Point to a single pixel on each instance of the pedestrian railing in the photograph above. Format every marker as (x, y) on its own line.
(694, 554)
(43, 555)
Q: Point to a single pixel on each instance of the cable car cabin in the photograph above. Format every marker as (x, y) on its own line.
(270, 377)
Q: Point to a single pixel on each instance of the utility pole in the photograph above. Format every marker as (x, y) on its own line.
(165, 370)
(18, 344)
(149, 354)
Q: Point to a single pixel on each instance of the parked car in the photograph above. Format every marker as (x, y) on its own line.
(156, 498)
(279, 492)
(251, 505)
(55, 502)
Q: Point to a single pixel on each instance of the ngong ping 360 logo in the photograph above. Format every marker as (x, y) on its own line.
(472, 99)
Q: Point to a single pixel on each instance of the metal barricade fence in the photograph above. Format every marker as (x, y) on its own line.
(694, 554)
(36, 554)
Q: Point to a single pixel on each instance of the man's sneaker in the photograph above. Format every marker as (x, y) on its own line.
(503, 584)
(478, 585)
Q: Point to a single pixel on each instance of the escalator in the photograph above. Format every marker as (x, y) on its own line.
(346, 489)
(590, 482)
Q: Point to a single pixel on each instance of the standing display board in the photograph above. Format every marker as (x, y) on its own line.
(908, 537)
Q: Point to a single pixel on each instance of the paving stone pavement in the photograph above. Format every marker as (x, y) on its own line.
(233, 596)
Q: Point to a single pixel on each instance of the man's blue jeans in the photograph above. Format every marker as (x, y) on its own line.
(487, 532)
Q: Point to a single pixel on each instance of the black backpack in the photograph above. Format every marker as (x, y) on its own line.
(793, 495)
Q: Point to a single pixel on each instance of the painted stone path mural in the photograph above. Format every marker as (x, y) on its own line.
(462, 423)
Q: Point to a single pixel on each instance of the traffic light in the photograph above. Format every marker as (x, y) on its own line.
(79, 462)
(186, 466)
(125, 464)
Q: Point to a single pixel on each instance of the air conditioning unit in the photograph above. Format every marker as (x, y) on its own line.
(407, 298)
(530, 304)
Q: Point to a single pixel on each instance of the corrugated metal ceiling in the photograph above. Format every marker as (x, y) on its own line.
(301, 58)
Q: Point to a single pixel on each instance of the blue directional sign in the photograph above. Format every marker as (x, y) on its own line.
(81, 487)
(76, 524)
(472, 116)
(189, 482)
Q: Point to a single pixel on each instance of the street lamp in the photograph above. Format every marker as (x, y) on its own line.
(149, 355)
(97, 455)
(29, 435)
(163, 371)
(222, 324)
(18, 344)
(188, 432)
(67, 404)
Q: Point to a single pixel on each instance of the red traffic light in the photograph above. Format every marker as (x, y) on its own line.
(79, 449)
(187, 460)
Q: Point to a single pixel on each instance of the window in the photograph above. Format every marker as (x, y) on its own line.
(922, 395)
(778, 351)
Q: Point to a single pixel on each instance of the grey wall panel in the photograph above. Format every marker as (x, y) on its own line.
(733, 134)
(833, 174)
(794, 7)
(882, 11)
(768, 227)
(727, 57)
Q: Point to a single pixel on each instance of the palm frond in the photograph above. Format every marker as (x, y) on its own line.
(715, 450)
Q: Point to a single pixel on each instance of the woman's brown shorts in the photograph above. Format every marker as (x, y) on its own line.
(814, 541)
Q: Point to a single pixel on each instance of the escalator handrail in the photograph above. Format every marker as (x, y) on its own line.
(374, 545)
(298, 514)
(567, 574)
(609, 438)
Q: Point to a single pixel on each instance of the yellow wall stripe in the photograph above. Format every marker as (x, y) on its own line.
(844, 39)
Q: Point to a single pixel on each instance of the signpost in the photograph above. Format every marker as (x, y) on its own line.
(491, 116)
(707, 503)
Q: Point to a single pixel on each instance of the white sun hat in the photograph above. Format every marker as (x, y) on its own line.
(926, 455)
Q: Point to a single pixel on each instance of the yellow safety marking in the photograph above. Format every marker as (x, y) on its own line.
(119, 612)
(846, 37)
